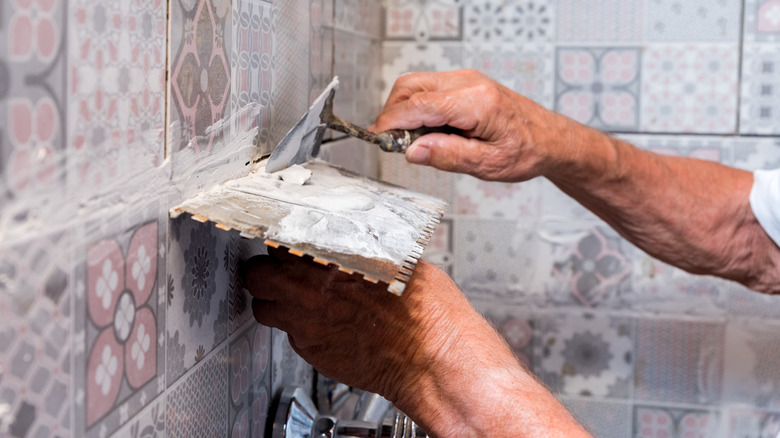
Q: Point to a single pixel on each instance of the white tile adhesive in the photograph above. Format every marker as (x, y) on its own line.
(337, 217)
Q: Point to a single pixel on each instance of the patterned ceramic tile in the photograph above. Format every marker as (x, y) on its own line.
(439, 249)
(35, 337)
(120, 322)
(516, 326)
(743, 301)
(585, 264)
(33, 58)
(290, 65)
(250, 64)
(359, 17)
(516, 21)
(237, 251)
(200, 78)
(762, 20)
(679, 361)
(599, 20)
(752, 364)
(694, 20)
(400, 58)
(198, 404)
(749, 423)
(249, 380)
(368, 79)
(601, 419)
(657, 421)
(288, 369)
(760, 97)
(200, 271)
(585, 354)
(491, 262)
(116, 98)
(149, 423)
(527, 68)
(395, 169)
(497, 200)
(690, 88)
(321, 54)
(599, 87)
(662, 288)
(423, 20)
(756, 153)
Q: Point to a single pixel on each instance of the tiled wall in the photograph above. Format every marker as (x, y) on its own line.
(115, 320)
(633, 346)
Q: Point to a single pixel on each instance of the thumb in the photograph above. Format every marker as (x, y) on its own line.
(449, 152)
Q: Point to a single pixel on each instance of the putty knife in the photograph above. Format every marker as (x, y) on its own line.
(303, 141)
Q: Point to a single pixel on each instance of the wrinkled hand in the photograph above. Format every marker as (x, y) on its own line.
(506, 137)
(351, 330)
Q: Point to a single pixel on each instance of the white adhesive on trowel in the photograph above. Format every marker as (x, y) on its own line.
(337, 212)
(295, 174)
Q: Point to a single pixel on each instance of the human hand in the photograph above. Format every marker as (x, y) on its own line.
(428, 351)
(352, 330)
(506, 137)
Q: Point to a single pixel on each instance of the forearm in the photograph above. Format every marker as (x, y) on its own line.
(691, 213)
(462, 380)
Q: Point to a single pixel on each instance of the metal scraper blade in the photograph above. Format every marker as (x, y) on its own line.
(303, 141)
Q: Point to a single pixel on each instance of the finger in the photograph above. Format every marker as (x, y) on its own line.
(458, 109)
(266, 313)
(449, 152)
(410, 83)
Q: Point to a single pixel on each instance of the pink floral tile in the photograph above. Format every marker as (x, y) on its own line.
(120, 327)
(423, 20)
(406, 57)
(200, 78)
(36, 335)
(690, 88)
(116, 98)
(33, 121)
(599, 87)
(762, 20)
(526, 69)
(657, 421)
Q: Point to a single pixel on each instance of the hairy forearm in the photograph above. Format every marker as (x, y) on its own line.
(691, 213)
(461, 379)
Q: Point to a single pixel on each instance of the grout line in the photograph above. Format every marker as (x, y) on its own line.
(741, 54)
(167, 147)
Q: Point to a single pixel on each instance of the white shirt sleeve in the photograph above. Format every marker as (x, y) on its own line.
(765, 201)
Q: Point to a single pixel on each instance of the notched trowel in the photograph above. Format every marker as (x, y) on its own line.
(361, 225)
(303, 141)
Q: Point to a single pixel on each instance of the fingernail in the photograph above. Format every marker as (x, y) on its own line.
(418, 154)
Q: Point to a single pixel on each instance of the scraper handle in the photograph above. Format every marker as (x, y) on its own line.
(399, 140)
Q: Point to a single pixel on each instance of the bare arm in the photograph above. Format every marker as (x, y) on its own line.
(428, 351)
(690, 213)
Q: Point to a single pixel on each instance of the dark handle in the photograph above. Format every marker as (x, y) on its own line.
(399, 140)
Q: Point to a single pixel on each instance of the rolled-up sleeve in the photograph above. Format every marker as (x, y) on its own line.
(765, 201)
